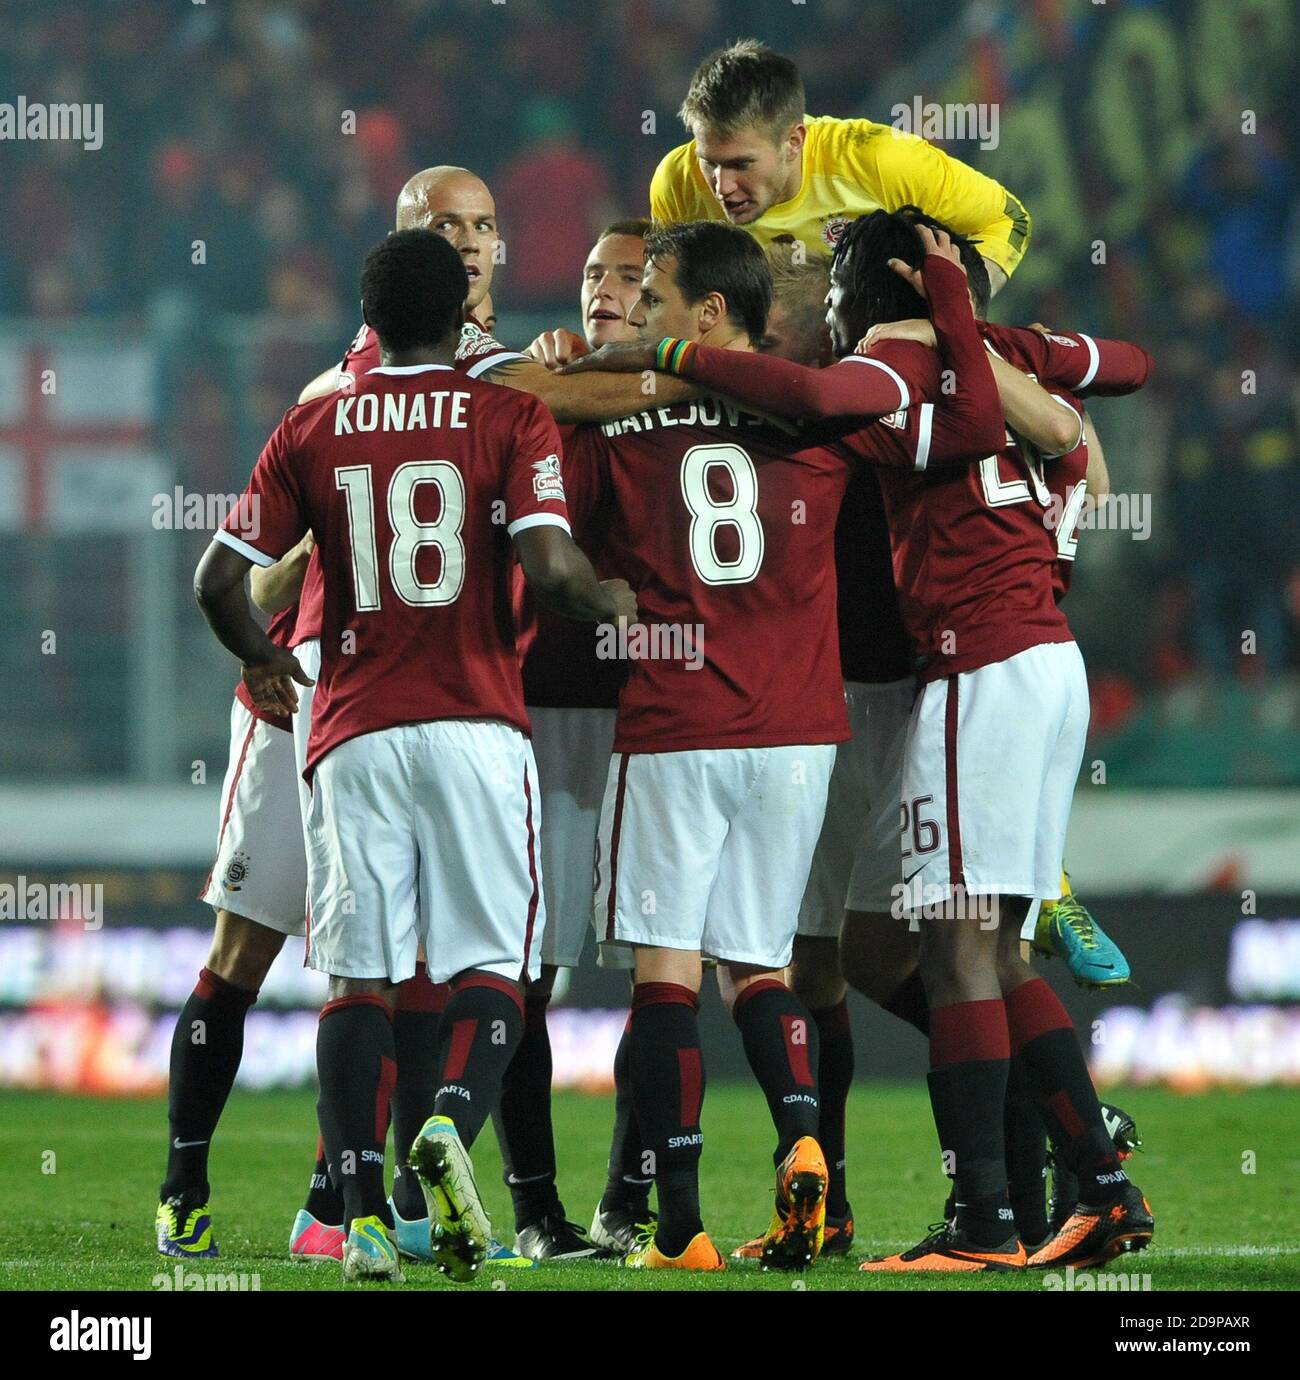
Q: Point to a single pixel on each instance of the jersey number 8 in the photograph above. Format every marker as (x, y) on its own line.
(708, 514)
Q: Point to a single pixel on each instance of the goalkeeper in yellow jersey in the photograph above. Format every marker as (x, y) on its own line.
(757, 160)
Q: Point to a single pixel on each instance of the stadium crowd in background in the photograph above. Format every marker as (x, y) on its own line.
(241, 109)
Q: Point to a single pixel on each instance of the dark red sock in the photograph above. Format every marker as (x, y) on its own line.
(668, 1090)
(478, 1036)
(419, 1008)
(834, 1080)
(780, 1040)
(207, 1045)
(1042, 1035)
(357, 1066)
(969, 1055)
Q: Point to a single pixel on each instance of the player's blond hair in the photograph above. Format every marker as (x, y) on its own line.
(743, 85)
(799, 284)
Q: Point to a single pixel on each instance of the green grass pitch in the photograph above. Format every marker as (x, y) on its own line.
(80, 1176)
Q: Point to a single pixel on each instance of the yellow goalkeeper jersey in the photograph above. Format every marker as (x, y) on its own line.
(851, 167)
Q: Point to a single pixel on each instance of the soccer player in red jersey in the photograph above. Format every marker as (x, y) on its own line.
(458, 205)
(422, 822)
(985, 794)
(727, 725)
(572, 694)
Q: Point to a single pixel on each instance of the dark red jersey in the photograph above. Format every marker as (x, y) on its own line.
(724, 526)
(562, 663)
(974, 560)
(477, 353)
(929, 438)
(1070, 365)
(413, 484)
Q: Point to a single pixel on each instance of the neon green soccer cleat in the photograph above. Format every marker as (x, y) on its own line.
(370, 1252)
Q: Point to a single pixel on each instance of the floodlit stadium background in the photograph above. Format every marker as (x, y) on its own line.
(1154, 145)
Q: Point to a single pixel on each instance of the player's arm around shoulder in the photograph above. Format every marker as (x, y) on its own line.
(598, 396)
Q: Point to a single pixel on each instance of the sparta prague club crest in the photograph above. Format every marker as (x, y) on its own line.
(833, 227)
(236, 872)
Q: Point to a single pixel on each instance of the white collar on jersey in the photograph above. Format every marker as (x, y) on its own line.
(406, 368)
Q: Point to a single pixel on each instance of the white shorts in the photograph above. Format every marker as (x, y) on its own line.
(989, 770)
(710, 850)
(308, 654)
(260, 871)
(426, 835)
(572, 748)
(856, 865)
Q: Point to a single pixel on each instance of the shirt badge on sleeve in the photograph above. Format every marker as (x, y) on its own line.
(547, 483)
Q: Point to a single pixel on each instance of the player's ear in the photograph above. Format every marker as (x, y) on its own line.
(712, 309)
(794, 140)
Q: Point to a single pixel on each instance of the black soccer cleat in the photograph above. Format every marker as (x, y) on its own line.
(553, 1238)
(1095, 1235)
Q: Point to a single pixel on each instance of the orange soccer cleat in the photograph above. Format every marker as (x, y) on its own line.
(947, 1249)
(700, 1254)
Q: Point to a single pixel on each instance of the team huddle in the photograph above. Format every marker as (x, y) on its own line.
(730, 630)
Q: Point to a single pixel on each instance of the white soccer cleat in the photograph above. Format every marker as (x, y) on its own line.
(460, 1231)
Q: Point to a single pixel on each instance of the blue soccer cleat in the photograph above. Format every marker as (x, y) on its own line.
(414, 1242)
(1066, 930)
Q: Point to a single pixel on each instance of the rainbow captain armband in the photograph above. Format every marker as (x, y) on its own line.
(672, 356)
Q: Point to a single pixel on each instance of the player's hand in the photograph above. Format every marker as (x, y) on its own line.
(920, 329)
(1040, 328)
(932, 242)
(270, 683)
(625, 611)
(618, 357)
(557, 348)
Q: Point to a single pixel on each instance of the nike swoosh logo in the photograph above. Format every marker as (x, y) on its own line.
(179, 1144)
(917, 873)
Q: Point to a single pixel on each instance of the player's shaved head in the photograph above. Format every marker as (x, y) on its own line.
(423, 194)
(456, 204)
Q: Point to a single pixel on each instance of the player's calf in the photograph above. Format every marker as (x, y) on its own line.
(357, 1067)
(668, 1091)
